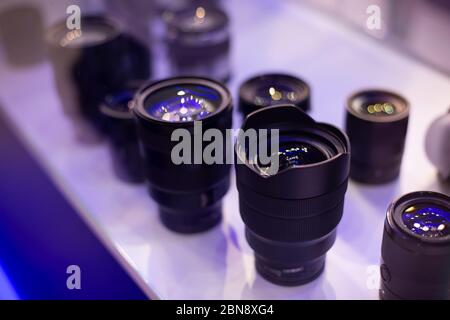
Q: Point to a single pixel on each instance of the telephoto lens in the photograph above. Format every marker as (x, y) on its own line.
(377, 122)
(199, 42)
(271, 89)
(91, 62)
(122, 132)
(416, 248)
(291, 215)
(188, 191)
(437, 145)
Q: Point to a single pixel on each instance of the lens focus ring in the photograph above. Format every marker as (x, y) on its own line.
(290, 230)
(292, 208)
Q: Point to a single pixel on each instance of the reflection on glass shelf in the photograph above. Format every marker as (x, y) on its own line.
(7, 291)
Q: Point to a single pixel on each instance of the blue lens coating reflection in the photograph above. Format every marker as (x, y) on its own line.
(298, 154)
(427, 221)
(183, 103)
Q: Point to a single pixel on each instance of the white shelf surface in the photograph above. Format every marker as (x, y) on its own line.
(268, 36)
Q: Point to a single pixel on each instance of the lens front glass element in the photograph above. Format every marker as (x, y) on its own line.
(92, 33)
(378, 104)
(120, 100)
(296, 152)
(379, 109)
(267, 95)
(183, 103)
(427, 220)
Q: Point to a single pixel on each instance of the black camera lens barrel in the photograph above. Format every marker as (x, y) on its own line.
(376, 124)
(122, 132)
(189, 195)
(199, 42)
(91, 62)
(291, 217)
(273, 88)
(278, 261)
(416, 263)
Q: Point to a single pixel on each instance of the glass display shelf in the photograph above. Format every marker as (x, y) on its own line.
(283, 36)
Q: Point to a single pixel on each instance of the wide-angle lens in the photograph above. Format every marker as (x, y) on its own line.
(189, 193)
(291, 216)
(376, 124)
(271, 89)
(416, 248)
(199, 42)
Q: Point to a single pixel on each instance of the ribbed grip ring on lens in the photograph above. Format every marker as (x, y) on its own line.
(292, 208)
(291, 230)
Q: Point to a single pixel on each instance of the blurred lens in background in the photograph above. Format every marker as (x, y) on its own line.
(91, 62)
(22, 34)
(437, 145)
(416, 248)
(135, 16)
(270, 89)
(122, 132)
(376, 124)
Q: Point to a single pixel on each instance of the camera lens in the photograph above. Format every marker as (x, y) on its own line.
(427, 221)
(271, 89)
(416, 248)
(199, 42)
(92, 62)
(189, 193)
(377, 122)
(291, 216)
(121, 130)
